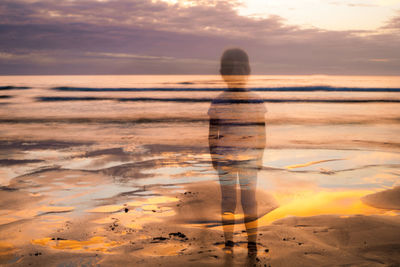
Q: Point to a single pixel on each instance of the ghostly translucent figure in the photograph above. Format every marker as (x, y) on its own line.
(237, 141)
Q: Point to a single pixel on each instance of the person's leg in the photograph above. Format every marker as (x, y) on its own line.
(227, 180)
(248, 185)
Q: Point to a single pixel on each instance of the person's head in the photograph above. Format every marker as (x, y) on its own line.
(235, 67)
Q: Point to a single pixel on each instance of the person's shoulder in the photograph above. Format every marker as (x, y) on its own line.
(220, 99)
(257, 100)
(212, 111)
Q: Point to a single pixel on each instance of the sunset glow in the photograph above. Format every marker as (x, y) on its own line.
(169, 36)
(327, 15)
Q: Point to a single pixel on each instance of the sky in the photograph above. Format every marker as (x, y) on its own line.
(338, 37)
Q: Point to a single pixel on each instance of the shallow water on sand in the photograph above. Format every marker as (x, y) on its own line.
(114, 164)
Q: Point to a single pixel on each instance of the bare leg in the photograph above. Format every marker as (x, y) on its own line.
(248, 185)
(228, 203)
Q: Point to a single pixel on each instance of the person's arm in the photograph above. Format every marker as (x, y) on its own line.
(261, 133)
(213, 138)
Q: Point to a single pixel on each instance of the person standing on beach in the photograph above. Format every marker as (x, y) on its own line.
(237, 141)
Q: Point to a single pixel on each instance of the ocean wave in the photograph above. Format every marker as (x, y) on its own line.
(189, 120)
(257, 89)
(11, 87)
(26, 120)
(190, 100)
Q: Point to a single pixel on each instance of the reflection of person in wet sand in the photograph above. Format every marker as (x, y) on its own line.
(237, 141)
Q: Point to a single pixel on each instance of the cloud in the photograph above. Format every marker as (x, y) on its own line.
(394, 23)
(127, 56)
(353, 4)
(143, 36)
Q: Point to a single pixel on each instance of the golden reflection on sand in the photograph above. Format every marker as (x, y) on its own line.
(169, 249)
(309, 163)
(308, 203)
(312, 203)
(96, 243)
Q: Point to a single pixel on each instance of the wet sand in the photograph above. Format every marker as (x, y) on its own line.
(118, 215)
(181, 230)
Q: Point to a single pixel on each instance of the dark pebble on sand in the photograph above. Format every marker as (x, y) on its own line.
(267, 250)
(160, 238)
(126, 210)
(178, 234)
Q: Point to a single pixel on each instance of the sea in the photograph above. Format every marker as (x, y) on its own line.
(74, 146)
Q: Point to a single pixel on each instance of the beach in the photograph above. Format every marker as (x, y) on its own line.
(116, 170)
